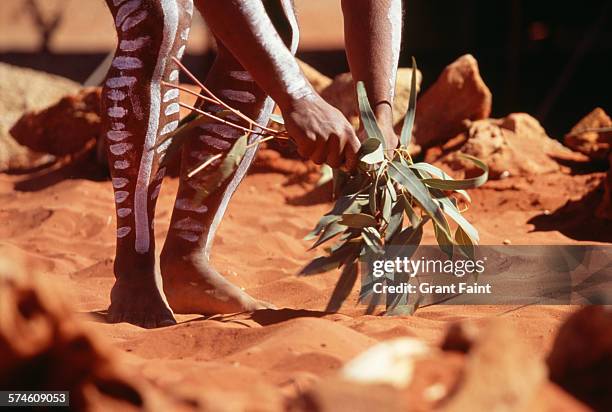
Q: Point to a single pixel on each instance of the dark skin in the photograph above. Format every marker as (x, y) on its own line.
(250, 45)
(320, 131)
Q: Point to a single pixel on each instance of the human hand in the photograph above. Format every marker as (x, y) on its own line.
(321, 132)
(384, 119)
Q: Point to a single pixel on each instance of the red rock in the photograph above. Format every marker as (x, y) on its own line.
(44, 346)
(584, 139)
(63, 128)
(581, 358)
(458, 94)
(500, 374)
(513, 146)
(604, 210)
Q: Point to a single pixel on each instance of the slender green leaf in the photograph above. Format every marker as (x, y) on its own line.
(277, 118)
(367, 115)
(464, 242)
(406, 178)
(330, 231)
(406, 134)
(357, 220)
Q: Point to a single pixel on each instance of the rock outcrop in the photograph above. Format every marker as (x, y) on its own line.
(44, 346)
(516, 145)
(581, 358)
(458, 94)
(585, 138)
(22, 90)
(63, 128)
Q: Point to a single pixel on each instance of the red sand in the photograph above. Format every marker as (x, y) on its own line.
(67, 230)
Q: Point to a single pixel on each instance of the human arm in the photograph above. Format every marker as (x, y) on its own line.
(319, 130)
(372, 31)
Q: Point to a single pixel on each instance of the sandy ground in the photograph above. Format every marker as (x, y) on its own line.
(67, 230)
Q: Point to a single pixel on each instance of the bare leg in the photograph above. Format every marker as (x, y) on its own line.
(191, 284)
(137, 111)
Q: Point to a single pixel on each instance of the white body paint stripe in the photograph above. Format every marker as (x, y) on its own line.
(119, 182)
(127, 63)
(395, 22)
(121, 164)
(170, 95)
(215, 142)
(174, 75)
(117, 111)
(115, 95)
(123, 81)
(123, 212)
(117, 126)
(118, 135)
(134, 20)
(240, 96)
(125, 10)
(121, 195)
(133, 45)
(188, 236)
(170, 127)
(181, 51)
(141, 218)
(188, 224)
(185, 34)
(172, 109)
(187, 205)
(120, 148)
(241, 75)
(162, 147)
(123, 231)
(220, 129)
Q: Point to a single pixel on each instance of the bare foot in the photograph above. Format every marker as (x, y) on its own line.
(192, 285)
(140, 303)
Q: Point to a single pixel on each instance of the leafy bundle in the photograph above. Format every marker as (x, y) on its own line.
(373, 201)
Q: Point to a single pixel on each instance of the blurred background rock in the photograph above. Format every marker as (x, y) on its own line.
(547, 58)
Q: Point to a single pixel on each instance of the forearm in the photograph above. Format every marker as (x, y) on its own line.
(372, 30)
(247, 31)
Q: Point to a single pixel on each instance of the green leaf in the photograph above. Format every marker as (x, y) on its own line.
(212, 181)
(357, 220)
(406, 178)
(444, 242)
(327, 174)
(372, 239)
(432, 170)
(413, 216)
(277, 118)
(343, 287)
(406, 134)
(449, 208)
(395, 223)
(464, 242)
(367, 117)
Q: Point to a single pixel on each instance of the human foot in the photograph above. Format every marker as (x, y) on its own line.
(140, 303)
(192, 285)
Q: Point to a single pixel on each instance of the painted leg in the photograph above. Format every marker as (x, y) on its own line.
(191, 284)
(137, 111)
